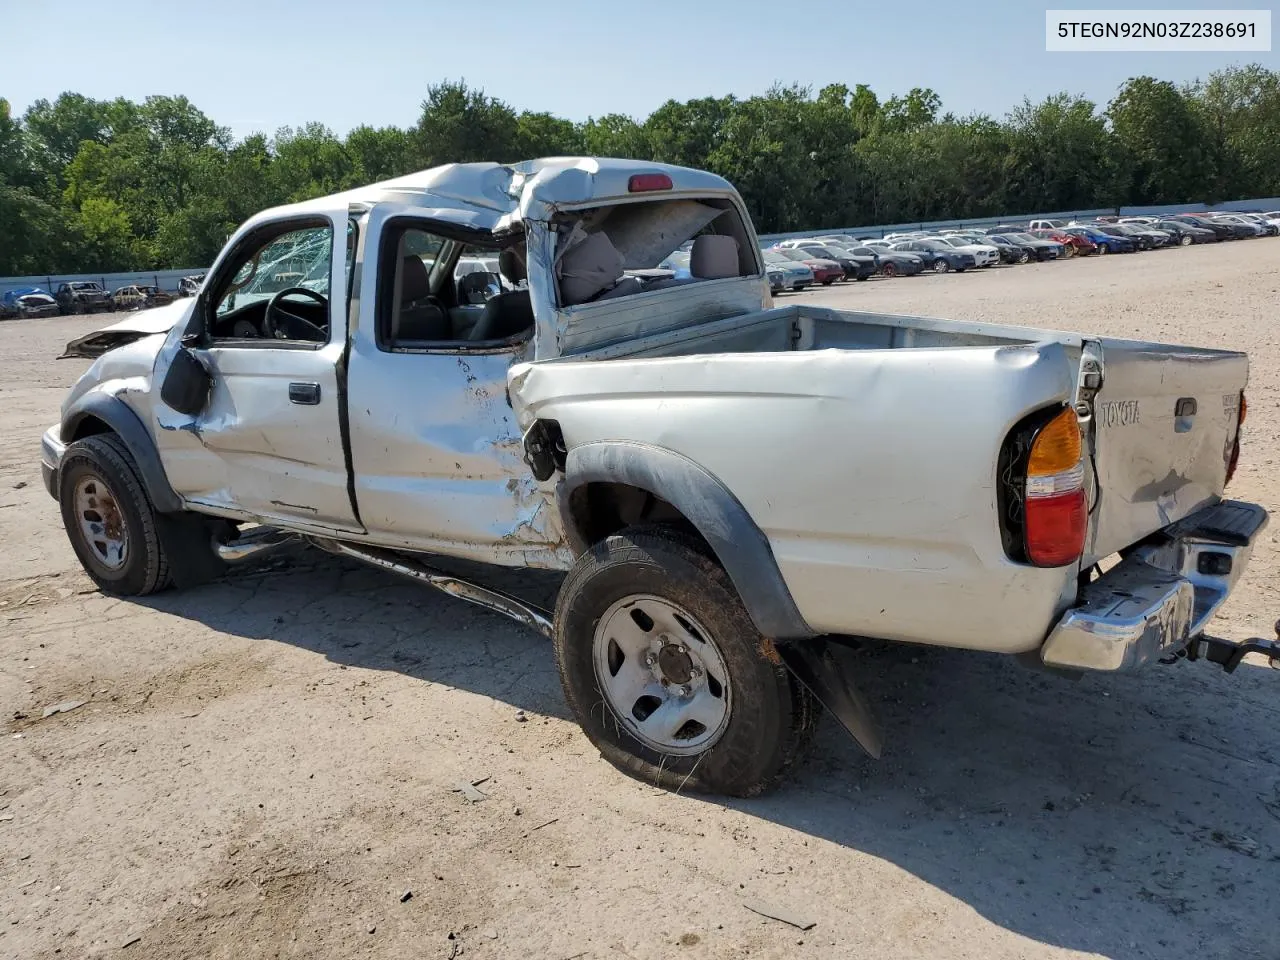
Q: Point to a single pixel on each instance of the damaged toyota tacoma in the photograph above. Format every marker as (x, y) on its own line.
(486, 362)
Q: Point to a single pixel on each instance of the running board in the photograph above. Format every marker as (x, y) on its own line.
(253, 543)
(531, 616)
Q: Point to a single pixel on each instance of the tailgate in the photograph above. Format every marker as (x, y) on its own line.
(1164, 423)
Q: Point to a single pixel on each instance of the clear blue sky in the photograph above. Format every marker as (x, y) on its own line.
(266, 64)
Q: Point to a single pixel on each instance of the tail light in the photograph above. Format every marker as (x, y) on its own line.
(1055, 514)
(1233, 457)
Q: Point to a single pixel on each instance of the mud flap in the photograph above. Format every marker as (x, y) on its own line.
(826, 668)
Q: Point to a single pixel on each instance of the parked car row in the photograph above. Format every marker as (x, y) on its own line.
(830, 257)
(79, 296)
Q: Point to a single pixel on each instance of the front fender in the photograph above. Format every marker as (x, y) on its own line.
(121, 420)
(740, 546)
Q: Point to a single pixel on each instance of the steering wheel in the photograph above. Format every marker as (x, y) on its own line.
(273, 305)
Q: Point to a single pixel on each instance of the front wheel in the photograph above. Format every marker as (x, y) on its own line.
(941, 266)
(1024, 256)
(1103, 248)
(109, 518)
(889, 269)
(1186, 240)
(666, 673)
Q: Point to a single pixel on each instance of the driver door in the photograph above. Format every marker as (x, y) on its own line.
(270, 326)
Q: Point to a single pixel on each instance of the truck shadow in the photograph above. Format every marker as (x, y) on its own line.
(1121, 816)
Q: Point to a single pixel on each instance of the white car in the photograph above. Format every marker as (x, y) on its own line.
(986, 254)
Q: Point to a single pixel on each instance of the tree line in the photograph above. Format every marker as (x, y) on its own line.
(109, 185)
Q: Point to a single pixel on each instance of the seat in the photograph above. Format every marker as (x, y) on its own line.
(419, 318)
(589, 268)
(504, 316)
(714, 257)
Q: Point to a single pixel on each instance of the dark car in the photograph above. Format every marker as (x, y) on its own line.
(855, 268)
(1105, 242)
(1034, 246)
(893, 263)
(1184, 234)
(1010, 252)
(1113, 230)
(82, 296)
(1144, 233)
(938, 256)
(1223, 231)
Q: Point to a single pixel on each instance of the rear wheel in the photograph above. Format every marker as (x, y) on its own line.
(1023, 256)
(666, 673)
(1103, 248)
(109, 518)
(1186, 240)
(1068, 251)
(889, 269)
(941, 266)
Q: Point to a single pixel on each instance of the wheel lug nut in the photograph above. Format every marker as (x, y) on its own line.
(695, 672)
(682, 691)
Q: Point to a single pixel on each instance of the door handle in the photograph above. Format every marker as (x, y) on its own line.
(304, 393)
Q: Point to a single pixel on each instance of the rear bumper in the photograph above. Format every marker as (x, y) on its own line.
(1161, 596)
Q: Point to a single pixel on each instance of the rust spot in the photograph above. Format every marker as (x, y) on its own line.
(770, 652)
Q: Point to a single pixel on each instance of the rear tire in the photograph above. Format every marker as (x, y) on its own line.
(1103, 248)
(1186, 240)
(109, 517)
(889, 269)
(622, 667)
(940, 266)
(1024, 257)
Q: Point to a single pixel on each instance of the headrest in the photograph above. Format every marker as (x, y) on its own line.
(415, 280)
(511, 265)
(588, 268)
(714, 257)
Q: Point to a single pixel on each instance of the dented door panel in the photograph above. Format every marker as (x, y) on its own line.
(437, 458)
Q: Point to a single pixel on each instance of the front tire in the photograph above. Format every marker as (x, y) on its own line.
(889, 269)
(666, 673)
(1186, 240)
(941, 266)
(1103, 248)
(1024, 256)
(109, 517)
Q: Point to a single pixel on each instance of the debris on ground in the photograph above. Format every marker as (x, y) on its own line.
(20, 484)
(406, 896)
(520, 717)
(469, 791)
(778, 913)
(130, 942)
(65, 707)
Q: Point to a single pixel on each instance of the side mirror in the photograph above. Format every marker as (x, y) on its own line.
(188, 383)
(479, 287)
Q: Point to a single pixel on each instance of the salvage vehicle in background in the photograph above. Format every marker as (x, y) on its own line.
(190, 286)
(28, 303)
(1072, 245)
(1184, 234)
(797, 274)
(1223, 231)
(139, 296)
(1104, 242)
(1267, 227)
(892, 263)
(938, 257)
(984, 254)
(1019, 491)
(825, 270)
(1152, 238)
(82, 296)
(1240, 228)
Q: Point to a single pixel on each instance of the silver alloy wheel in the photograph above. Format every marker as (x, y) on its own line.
(101, 523)
(662, 674)
(941, 266)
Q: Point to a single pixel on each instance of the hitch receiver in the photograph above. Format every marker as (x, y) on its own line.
(1229, 655)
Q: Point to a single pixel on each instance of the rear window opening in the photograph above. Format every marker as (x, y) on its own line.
(620, 250)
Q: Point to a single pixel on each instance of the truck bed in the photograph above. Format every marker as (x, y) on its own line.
(866, 447)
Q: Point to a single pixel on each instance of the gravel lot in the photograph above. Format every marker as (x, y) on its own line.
(264, 767)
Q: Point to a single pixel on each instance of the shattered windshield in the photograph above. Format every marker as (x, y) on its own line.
(299, 258)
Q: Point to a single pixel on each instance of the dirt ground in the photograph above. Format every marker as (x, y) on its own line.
(265, 767)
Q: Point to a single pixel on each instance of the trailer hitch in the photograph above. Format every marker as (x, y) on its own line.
(1228, 655)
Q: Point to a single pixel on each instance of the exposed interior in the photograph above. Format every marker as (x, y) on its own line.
(622, 249)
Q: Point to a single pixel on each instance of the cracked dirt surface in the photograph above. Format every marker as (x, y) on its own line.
(264, 766)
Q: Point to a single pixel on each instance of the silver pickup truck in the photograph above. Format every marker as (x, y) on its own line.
(487, 362)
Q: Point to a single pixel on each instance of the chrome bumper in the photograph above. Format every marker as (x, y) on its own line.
(51, 450)
(1161, 596)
